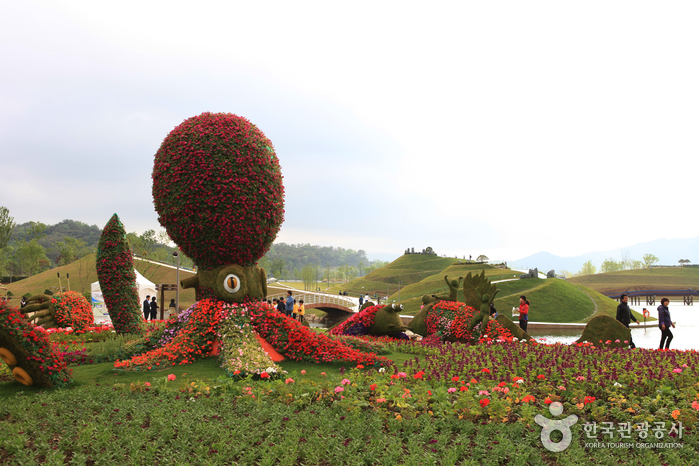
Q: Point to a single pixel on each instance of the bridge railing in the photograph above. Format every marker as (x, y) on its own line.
(314, 298)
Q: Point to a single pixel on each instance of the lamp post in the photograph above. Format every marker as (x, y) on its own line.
(177, 291)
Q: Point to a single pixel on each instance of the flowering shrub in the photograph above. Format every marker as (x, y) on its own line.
(71, 309)
(193, 341)
(32, 348)
(357, 324)
(299, 343)
(117, 278)
(217, 188)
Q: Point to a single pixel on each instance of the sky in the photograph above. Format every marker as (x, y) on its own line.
(498, 128)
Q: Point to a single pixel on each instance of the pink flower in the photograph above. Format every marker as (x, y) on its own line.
(323, 374)
(402, 374)
(339, 389)
(171, 377)
(580, 378)
(381, 400)
(617, 341)
(345, 382)
(303, 372)
(289, 380)
(677, 371)
(484, 392)
(451, 390)
(695, 405)
(147, 384)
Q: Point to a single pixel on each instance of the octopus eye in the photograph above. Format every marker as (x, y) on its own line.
(401, 306)
(393, 306)
(231, 283)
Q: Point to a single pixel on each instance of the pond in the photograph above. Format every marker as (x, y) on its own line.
(686, 319)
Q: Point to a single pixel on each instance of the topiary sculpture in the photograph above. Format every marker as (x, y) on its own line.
(117, 278)
(374, 320)
(217, 188)
(26, 349)
(67, 309)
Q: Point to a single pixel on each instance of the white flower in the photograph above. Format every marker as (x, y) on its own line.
(383, 369)
(617, 384)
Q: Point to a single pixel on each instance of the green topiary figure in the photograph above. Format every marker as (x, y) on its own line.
(117, 278)
(479, 293)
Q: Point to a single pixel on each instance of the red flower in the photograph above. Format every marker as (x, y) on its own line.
(486, 370)
(372, 387)
(264, 375)
(484, 402)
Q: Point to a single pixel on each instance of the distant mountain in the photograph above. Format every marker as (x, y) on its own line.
(669, 251)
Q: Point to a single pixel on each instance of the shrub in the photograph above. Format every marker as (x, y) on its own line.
(71, 309)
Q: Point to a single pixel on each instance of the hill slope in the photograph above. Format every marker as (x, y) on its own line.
(82, 275)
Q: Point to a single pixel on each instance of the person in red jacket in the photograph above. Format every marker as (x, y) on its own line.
(523, 312)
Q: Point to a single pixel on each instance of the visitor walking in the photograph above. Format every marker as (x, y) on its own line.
(301, 310)
(624, 315)
(523, 312)
(153, 309)
(296, 310)
(361, 301)
(664, 322)
(146, 307)
(289, 303)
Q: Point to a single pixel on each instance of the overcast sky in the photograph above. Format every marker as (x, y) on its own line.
(498, 128)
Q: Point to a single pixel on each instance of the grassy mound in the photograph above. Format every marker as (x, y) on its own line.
(604, 328)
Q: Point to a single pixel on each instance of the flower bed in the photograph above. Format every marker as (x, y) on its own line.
(193, 340)
(299, 343)
(241, 354)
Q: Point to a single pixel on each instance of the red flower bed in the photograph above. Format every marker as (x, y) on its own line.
(299, 343)
(193, 341)
(117, 278)
(217, 188)
(32, 348)
(72, 310)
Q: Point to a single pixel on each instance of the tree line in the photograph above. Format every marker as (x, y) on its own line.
(33, 247)
(625, 263)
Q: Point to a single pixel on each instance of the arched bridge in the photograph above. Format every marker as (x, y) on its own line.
(651, 296)
(337, 308)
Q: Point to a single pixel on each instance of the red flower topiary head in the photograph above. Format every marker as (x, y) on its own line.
(217, 187)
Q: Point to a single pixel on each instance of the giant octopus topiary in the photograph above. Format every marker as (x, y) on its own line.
(217, 188)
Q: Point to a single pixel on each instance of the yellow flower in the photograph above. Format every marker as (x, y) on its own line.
(676, 414)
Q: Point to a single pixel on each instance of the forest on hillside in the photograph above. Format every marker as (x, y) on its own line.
(33, 247)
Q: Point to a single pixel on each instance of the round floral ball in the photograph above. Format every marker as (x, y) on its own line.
(71, 309)
(217, 188)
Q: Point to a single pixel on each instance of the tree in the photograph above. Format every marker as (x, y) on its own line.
(610, 265)
(7, 226)
(566, 274)
(649, 260)
(684, 261)
(588, 268)
(482, 258)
